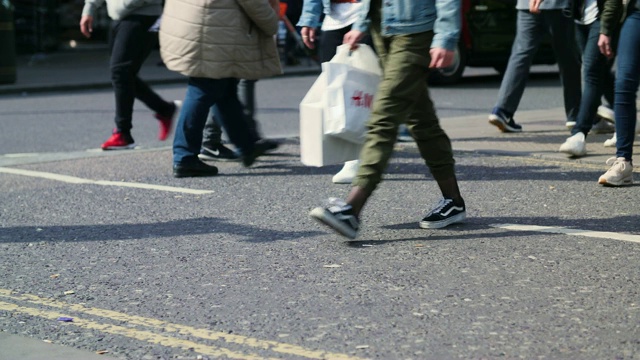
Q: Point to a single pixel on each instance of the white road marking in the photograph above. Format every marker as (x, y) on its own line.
(567, 231)
(77, 180)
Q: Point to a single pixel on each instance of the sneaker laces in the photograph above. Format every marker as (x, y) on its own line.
(617, 164)
(336, 205)
(440, 205)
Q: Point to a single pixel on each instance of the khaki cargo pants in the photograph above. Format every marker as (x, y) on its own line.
(402, 97)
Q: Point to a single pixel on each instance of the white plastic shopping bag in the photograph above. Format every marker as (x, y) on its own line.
(316, 148)
(352, 81)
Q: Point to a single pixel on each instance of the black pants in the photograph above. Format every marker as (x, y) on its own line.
(131, 42)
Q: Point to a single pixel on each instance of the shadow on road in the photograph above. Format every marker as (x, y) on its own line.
(176, 228)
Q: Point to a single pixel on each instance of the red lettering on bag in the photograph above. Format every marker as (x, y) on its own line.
(362, 99)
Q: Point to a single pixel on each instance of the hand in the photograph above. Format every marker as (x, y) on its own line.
(308, 36)
(86, 25)
(534, 6)
(352, 38)
(604, 43)
(441, 58)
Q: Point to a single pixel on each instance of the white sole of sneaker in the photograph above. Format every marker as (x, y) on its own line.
(126, 147)
(342, 180)
(606, 114)
(571, 153)
(624, 182)
(442, 223)
(324, 217)
(204, 157)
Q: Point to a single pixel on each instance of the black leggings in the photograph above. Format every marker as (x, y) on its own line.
(131, 42)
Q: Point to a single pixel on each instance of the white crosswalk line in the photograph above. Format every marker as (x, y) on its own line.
(567, 231)
(77, 180)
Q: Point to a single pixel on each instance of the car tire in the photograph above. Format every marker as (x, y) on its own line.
(452, 74)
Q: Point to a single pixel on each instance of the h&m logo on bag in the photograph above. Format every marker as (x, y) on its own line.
(362, 99)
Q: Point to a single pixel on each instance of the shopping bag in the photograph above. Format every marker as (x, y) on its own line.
(352, 80)
(317, 148)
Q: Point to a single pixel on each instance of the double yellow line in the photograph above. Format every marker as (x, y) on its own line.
(65, 309)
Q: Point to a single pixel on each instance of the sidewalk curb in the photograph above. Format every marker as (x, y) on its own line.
(32, 89)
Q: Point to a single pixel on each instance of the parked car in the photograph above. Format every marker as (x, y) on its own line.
(488, 31)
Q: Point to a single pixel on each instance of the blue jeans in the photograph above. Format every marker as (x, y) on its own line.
(202, 94)
(531, 30)
(596, 75)
(627, 77)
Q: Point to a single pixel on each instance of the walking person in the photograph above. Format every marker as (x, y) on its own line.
(214, 54)
(596, 72)
(131, 41)
(339, 16)
(626, 86)
(424, 37)
(554, 18)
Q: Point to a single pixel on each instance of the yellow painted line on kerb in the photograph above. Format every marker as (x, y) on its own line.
(131, 333)
(78, 180)
(167, 327)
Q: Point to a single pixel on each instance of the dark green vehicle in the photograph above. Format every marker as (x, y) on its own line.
(488, 31)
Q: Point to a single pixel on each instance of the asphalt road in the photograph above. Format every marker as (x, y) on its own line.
(546, 266)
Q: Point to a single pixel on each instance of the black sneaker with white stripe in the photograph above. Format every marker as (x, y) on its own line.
(503, 121)
(443, 214)
(339, 216)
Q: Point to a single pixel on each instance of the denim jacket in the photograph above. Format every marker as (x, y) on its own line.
(311, 11)
(401, 17)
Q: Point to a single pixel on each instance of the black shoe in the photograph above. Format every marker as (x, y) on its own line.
(196, 168)
(269, 144)
(218, 152)
(339, 216)
(443, 214)
(260, 147)
(503, 121)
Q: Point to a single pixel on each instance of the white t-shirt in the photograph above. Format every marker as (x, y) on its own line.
(341, 15)
(590, 12)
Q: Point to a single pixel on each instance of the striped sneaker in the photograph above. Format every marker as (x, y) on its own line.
(443, 214)
(338, 215)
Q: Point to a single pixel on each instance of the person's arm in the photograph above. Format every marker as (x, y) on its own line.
(611, 16)
(446, 33)
(609, 23)
(88, 13)
(534, 6)
(309, 21)
(448, 24)
(360, 28)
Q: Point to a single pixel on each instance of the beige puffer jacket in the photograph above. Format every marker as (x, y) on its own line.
(220, 38)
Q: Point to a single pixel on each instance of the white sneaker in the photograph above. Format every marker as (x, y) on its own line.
(603, 127)
(611, 142)
(575, 145)
(348, 173)
(620, 173)
(570, 124)
(606, 113)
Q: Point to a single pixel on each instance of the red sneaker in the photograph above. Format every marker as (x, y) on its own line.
(119, 141)
(166, 122)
